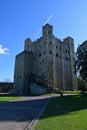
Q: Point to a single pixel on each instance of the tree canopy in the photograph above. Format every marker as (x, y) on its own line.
(81, 60)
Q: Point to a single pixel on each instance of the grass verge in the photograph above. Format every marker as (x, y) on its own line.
(65, 113)
(7, 97)
(49, 94)
(73, 92)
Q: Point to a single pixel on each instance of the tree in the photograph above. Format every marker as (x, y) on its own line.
(7, 80)
(82, 85)
(81, 60)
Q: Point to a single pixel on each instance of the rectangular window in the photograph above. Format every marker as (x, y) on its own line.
(39, 54)
(50, 52)
(56, 54)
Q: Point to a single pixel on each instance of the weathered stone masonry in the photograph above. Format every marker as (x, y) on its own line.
(45, 65)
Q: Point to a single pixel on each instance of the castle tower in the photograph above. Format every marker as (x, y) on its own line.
(47, 33)
(27, 44)
(47, 30)
(48, 61)
(69, 62)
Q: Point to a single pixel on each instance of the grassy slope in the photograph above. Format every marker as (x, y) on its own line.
(65, 113)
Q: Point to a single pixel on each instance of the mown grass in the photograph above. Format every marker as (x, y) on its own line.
(64, 92)
(7, 97)
(73, 92)
(65, 113)
(49, 94)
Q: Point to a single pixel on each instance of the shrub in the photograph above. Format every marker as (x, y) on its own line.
(82, 85)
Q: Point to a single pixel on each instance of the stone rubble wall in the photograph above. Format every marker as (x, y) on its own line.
(48, 58)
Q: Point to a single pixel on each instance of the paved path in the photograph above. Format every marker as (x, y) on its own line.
(17, 115)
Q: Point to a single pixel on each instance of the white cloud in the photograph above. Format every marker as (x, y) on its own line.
(4, 50)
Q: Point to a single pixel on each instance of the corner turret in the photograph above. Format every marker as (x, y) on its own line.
(47, 30)
(69, 40)
(27, 43)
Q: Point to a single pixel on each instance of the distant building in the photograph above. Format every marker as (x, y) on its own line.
(45, 65)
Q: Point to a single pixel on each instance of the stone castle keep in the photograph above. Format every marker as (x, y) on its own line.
(45, 65)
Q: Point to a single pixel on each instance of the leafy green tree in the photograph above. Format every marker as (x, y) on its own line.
(82, 85)
(81, 60)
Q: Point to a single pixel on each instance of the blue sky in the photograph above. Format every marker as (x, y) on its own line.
(20, 19)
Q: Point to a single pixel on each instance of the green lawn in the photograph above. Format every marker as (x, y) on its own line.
(5, 98)
(65, 113)
(49, 94)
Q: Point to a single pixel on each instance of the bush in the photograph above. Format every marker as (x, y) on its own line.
(5, 86)
(82, 85)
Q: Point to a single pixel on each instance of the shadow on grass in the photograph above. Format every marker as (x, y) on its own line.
(7, 95)
(14, 95)
(66, 104)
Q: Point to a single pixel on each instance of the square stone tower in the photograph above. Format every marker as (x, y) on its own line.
(45, 65)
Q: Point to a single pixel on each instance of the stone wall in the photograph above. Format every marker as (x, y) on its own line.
(23, 69)
(37, 89)
(48, 58)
